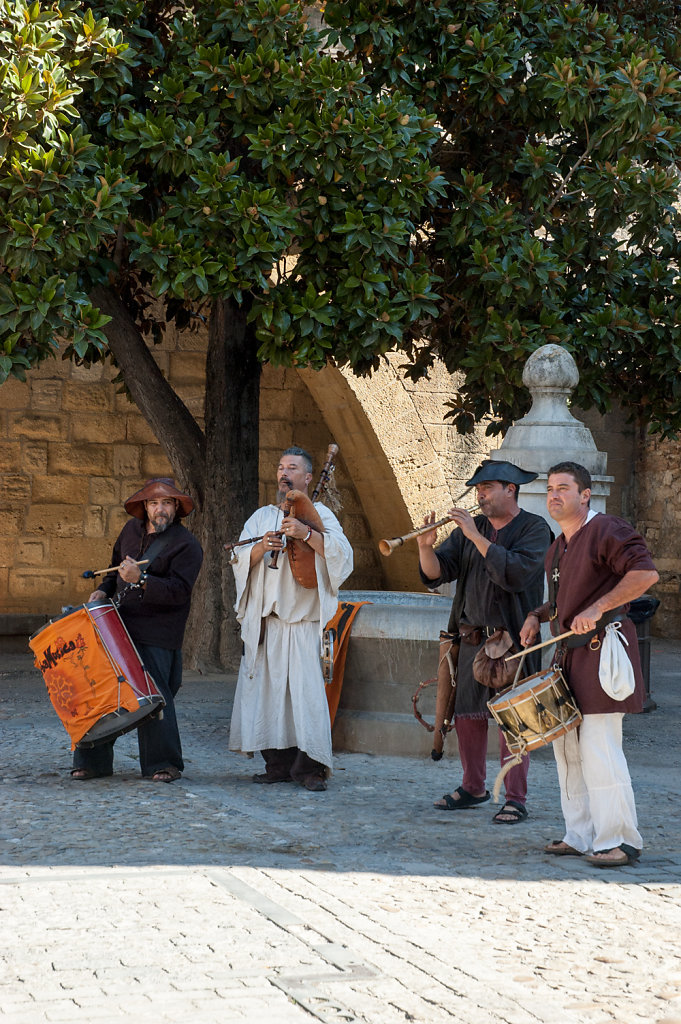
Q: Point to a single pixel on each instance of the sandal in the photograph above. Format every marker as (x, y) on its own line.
(169, 774)
(81, 774)
(617, 857)
(559, 848)
(466, 799)
(510, 814)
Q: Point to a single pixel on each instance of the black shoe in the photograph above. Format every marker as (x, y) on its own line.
(267, 780)
(315, 783)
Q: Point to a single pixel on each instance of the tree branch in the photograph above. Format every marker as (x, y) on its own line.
(591, 142)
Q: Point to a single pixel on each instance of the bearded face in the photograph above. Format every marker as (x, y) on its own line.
(292, 474)
(160, 513)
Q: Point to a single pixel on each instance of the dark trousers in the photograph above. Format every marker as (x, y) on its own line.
(291, 763)
(158, 739)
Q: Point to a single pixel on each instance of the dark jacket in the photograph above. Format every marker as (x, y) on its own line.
(507, 583)
(156, 615)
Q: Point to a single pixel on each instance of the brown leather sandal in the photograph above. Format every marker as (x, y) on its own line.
(169, 774)
(559, 848)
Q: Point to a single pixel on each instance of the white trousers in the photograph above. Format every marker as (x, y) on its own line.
(595, 786)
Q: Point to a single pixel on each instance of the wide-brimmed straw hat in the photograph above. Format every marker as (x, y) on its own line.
(158, 487)
(505, 472)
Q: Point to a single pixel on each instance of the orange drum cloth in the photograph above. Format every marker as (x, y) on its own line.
(81, 681)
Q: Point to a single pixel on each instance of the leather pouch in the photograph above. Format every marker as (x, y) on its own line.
(470, 634)
(490, 667)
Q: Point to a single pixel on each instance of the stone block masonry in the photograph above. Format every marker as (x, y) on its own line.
(72, 448)
(64, 466)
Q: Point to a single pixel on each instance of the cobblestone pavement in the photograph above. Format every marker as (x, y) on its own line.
(214, 900)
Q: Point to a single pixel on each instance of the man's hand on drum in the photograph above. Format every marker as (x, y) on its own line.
(529, 633)
(129, 570)
(97, 595)
(585, 621)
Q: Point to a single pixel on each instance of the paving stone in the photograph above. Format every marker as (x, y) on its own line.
(216, 900)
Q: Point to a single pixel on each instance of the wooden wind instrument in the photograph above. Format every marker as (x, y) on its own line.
(386, 547)
(239, 543)
(301, 556)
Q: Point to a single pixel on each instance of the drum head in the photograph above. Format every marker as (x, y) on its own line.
(68, 610)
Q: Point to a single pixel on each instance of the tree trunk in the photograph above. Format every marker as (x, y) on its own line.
(217, 466)
(171, 421)
(231, 480)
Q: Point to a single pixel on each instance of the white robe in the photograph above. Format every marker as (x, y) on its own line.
(280, 700)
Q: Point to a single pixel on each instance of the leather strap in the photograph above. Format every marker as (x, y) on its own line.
(582, 639)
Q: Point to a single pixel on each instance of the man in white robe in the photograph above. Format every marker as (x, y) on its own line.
(280, 704)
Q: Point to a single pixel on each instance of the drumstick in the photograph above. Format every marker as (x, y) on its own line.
(91, 573)
(553, 640)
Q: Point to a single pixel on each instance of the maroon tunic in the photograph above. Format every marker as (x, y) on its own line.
(594, 561)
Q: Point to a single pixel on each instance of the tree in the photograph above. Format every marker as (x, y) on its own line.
(458, 180)
(161, 161)
(561, 146)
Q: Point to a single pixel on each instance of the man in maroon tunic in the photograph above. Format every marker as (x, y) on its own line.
(596, 567)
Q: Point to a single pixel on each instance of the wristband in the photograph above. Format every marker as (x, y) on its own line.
(307, 535)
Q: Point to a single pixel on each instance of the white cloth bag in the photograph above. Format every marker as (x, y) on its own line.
(615, 671)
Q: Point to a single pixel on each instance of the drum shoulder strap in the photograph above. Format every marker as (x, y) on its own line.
(158, 544)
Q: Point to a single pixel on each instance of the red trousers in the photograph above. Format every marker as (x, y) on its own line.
(471, 734)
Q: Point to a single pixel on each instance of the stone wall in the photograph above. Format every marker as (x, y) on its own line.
(615, 436)
(646, 491)
(72, 449)
(404, 461)
(658, 513)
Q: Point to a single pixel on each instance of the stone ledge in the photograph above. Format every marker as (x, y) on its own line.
(15, 629)
(385, 733)
(20, 625)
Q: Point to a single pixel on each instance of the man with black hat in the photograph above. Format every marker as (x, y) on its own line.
(497, 560)
(153, 600)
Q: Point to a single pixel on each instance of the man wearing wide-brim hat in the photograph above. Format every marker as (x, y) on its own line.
(153, 601)
(497, 559)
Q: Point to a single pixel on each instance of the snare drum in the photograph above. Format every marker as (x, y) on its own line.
(536, 711)
(94, 676)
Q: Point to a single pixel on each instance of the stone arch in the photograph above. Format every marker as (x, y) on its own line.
(397, 449)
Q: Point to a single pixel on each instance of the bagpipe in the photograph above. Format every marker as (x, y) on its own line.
(298, 505)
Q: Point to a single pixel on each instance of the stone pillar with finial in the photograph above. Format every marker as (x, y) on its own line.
(549, 433)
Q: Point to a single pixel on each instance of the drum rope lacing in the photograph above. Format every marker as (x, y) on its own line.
(551, 730)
